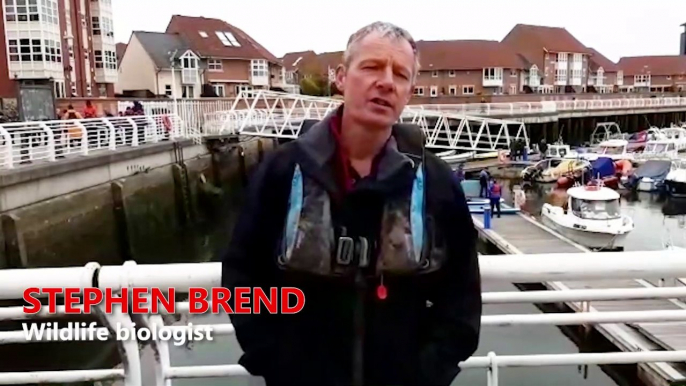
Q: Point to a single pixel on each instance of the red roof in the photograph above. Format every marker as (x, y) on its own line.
(531, 41)
(121, 48)
(211, 46)
(292, 60)
(654, 65)
(599, 60)
(466, 55)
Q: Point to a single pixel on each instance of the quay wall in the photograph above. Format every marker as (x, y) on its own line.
(154, 204)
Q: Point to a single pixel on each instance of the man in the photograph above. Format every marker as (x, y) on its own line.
(375, 232)
(483, 183)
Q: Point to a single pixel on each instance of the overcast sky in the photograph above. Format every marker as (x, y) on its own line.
(614, 27)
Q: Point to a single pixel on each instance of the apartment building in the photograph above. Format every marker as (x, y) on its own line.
(196, 51)
(467, 67)
(604, 76)
(653, 73)
(68, 44)
(557, 61)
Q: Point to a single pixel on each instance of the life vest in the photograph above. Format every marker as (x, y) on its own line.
(407, 243)
(495, 190)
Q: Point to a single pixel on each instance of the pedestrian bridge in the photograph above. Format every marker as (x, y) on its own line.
(279, 115)
(667, 265)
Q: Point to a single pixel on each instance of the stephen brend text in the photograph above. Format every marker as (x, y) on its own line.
(81, 331)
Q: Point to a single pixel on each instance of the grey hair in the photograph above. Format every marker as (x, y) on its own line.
(387, 30)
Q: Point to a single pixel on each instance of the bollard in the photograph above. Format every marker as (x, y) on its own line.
(525, 155)
(487, 217)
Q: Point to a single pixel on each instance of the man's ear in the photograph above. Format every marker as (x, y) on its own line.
(340, 78)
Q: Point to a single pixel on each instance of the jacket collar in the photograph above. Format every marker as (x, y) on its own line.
(318, 145)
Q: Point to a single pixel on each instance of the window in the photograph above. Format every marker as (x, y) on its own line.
(562, 57)
(168, 90)
(577, 58)
(434, 74)
(493, 73)
(27, 10)
(434, 91)
(60, 92)
(203, 34)
(560, 75)
(533, 73)
(214, 65)
(227, 39)
(451, 73)
(242, 87)
(106, 60)
(513, 89)
(218, 89)
(575, 73)
(468, 90)
(419, 91)
(513, 73)
(596, 210)
(259, 68)
(102, 26)
(620, 77)
(452, 90)
(641, 78)
(187, 92)
(31, 50)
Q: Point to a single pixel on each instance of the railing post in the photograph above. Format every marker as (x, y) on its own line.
(51, 142)
(492, 371)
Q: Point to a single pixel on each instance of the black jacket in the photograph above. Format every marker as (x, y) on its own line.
(404, 341)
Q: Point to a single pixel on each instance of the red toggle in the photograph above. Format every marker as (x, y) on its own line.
(381, 292)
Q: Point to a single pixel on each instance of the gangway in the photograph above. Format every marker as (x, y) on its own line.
(279, 115)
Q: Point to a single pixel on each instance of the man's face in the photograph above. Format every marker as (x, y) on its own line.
(378, 82)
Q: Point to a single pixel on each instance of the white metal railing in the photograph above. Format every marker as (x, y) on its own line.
(559, 106)
(48, 141)
(509, 268)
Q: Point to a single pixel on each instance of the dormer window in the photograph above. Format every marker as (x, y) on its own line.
(203, 34)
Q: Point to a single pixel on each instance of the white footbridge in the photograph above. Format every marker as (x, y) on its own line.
(278, 115)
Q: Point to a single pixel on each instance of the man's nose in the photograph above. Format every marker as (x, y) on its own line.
(386, 79)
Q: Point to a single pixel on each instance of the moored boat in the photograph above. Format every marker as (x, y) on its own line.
(590, 216)
(675, 182)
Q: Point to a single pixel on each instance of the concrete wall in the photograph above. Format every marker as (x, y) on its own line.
(140, 206)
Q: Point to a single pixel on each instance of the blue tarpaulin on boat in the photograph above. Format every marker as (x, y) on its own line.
(603, 167)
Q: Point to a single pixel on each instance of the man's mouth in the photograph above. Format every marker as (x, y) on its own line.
(381, 102)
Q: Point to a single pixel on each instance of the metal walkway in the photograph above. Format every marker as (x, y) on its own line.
(521, 234)
(279, 115)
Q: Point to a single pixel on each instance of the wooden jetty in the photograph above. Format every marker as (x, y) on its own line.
(522, 234)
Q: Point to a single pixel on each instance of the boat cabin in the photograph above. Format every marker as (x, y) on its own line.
(557, 150)
(593, 203)
(659, 149)
(606, 131)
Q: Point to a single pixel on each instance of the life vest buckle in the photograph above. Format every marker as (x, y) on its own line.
(345, 249)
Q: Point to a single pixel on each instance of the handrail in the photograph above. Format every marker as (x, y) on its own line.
(517, 268)
(50, 141)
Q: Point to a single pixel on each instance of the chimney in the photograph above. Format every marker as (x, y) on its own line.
(682, 50)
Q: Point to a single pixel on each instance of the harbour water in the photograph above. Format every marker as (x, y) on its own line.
(651, 232)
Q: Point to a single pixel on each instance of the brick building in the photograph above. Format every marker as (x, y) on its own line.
(653, 73)
(192, 52)
(67, 43)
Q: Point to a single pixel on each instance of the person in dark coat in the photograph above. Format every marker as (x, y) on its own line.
(374, 230)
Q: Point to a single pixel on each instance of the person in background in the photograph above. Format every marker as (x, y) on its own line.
(459, 173)
(385, 304)
(483, 183)
(90, 111)
(74, 132)
(495, 191)
(543, 148)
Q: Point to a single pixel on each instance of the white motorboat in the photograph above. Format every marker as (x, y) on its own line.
(591, 216)
(676, 134)
(615, 149)
(658, 149)
(675, 182)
